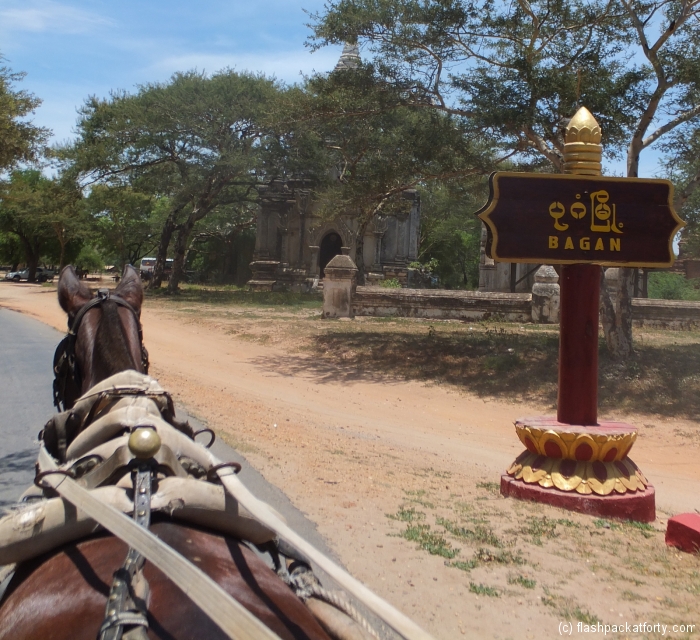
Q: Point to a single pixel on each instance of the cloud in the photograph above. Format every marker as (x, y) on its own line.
(48, 16)
(284, 65)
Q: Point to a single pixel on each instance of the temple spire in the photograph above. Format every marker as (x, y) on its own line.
(350, 58)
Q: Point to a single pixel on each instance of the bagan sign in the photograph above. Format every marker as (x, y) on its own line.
(571, 219)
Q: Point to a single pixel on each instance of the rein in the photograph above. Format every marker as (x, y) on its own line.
(67, 384)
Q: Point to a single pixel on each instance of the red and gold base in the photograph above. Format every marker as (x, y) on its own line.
(581, 468)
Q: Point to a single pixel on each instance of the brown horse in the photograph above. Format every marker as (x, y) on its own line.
(62, 595)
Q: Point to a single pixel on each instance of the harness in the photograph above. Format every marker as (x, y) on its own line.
(67, 384)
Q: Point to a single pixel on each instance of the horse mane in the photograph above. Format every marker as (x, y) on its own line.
(111, 351)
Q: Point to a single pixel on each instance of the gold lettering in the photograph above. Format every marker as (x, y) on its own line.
(553, 242)
(601, 221)
(578, 210)
(557, 210)
(569, 243)
(585, 244)
(599, 245)
(615, 244)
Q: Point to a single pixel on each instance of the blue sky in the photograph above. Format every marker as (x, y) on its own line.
(71, 49)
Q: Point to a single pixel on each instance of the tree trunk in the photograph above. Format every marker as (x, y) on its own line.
(31, 255)
(181, 246)
(165, 236)
(616, 311)
(360, 251)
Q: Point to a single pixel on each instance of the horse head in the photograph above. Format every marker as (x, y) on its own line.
(104, 335)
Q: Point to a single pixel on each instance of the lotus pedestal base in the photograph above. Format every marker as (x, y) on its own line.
(581, 468)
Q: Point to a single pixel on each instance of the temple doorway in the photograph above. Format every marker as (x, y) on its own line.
(331, 246)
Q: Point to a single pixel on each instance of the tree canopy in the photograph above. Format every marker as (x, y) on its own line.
(517, 71)
(20, 140)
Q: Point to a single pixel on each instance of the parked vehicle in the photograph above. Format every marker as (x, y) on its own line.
(41, 275)
(148, 265)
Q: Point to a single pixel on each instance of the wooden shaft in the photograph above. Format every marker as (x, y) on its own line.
(578, 344)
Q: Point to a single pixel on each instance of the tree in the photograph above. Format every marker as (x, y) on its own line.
(195, 141)
(450, 235)
(20, 140)
(125, 222)
(520, 70)
(24, 199)
(379, 147)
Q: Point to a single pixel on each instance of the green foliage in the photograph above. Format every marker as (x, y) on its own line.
(528, 583)
(20, 140)
(514, 73)
(483, 590)
(178, 153)
(43, 214)
(89, 258)
(450, 233)
(390, 283)
(432, 542)
(672, 286)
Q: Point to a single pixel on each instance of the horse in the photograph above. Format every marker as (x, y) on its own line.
(63, 594)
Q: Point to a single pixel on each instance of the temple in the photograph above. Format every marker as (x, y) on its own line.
(294, 244)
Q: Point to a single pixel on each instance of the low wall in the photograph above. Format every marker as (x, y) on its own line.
(509, 307)
(442, 304)
(665, 314)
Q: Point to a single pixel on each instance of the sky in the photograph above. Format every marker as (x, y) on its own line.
(71, 49)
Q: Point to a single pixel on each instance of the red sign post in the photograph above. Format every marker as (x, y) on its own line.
(581, 221)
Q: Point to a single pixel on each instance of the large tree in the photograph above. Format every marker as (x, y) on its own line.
(20, 140)
(519, 70)
(25, 200)
(195, 140)
(378, 146)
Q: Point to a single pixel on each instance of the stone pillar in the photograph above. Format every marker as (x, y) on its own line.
(315, 272)
(402, 238)
(338, 287)
(377, 266)
(545, 296)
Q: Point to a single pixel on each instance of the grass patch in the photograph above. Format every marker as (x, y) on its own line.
(568, 609)
(522, 581)
(433, 543)
(232, 295)
(463, 565)
(491, 487)
(483, 590)
(486, 556)
(406, 515)
(479, 534)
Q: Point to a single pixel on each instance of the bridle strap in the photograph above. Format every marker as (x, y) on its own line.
(102, 296)
(65, 367)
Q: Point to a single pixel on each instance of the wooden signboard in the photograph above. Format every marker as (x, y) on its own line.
(571, 219)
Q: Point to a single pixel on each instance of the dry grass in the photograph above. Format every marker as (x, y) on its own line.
(489, 359)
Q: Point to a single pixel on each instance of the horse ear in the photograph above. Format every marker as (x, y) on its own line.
(72, 294)
(130, 288)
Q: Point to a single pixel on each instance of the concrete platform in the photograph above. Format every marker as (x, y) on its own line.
(639, 506)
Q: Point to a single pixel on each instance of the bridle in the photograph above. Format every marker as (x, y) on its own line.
(67, 384)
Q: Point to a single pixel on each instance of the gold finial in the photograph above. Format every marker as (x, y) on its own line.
(144, 442)
(583, 152)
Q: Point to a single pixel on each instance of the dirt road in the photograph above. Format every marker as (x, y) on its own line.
(400, 478)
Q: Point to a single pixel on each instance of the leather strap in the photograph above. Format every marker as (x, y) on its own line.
(231, 617)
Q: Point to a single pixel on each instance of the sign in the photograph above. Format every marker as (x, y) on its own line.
(571, 219)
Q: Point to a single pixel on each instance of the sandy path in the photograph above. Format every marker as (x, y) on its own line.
(349, 452)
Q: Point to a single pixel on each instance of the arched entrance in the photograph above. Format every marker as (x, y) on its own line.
(329, 248)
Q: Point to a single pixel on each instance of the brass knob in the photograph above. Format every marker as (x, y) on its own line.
(144, 442)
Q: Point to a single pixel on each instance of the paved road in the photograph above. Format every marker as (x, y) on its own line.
(26, 356)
